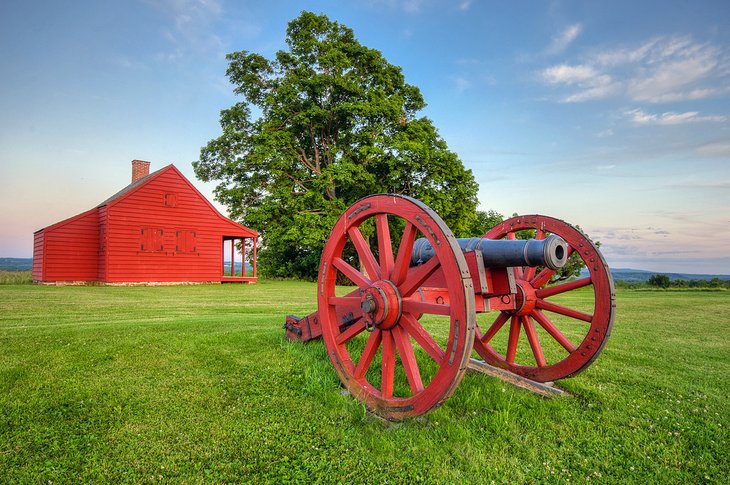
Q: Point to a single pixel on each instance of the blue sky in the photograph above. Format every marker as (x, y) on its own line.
(611, 115)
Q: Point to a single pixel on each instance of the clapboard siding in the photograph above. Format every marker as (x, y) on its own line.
(71, 249)
(103, 244)
(146, 209)
(38, 254)
(106, 243)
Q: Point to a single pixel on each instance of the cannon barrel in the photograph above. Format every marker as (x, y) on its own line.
(551, 252)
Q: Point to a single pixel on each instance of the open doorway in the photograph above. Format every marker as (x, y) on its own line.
(239, 259)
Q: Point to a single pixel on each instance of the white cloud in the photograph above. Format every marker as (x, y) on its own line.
(670, 248)
(715, 149)
(190, 30)
(721, 185)
(410, 6)
(565, 74)
(186, 11)
(462, 83)
(617, 57)
(465, 5)
(680, 65)
(591, 83)
(599, 88)
(640, 117)
(663, 69)
(564, 39)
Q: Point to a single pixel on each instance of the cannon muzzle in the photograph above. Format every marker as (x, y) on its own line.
(551, 252)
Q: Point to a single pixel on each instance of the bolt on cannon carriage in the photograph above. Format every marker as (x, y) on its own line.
(402, 304)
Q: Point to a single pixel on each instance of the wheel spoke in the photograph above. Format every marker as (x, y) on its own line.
(517, 269)
(529, 272)
(350, 332)
(422, 338)
(514, 336)
(417, 307)
(371, 347)
(534, 341)
(416, 276)
(367, 259)
(347, 323)
(403, 259)
(351, 273)
(550, 328)
(492, 331)
(408, 358)
(385, 248)
(388, 368)
(563, 310)
(542, 277)
(563, 287)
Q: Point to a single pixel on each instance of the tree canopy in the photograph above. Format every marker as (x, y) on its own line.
(324, 123)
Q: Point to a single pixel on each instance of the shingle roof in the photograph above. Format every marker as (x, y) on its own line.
(131, 187)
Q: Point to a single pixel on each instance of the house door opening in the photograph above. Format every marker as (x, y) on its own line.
(239, 259)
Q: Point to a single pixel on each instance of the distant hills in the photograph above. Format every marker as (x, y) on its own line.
(16, 264)
(642, 276)
(619, 274)
(227, 266)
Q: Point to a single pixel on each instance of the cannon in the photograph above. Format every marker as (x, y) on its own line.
(402, 304)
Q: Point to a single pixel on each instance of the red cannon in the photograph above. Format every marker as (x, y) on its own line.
(403, 304)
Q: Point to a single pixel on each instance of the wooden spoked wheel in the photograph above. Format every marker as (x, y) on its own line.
(397, 354)
(557, 330)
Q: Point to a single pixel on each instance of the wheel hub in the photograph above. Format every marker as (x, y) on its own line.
(525, 298)
(381, 305)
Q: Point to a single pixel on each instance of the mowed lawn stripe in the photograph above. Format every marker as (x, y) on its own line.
(197, 384)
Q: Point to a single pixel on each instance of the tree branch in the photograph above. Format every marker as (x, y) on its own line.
(302, 155)
(316, 149)
(297, 182)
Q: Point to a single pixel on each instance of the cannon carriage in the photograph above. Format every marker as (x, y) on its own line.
(402, 304)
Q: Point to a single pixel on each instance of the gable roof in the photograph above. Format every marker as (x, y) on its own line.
(63, 222)
(134, 186)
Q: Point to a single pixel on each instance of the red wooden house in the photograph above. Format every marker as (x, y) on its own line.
(159, 228)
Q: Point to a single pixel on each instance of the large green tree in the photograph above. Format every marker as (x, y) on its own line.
(324, 123)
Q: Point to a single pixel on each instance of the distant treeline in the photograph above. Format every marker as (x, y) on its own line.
(623, 278)
(664, 281)
(16, 264)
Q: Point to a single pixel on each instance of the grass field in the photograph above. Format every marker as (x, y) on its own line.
(197, 384)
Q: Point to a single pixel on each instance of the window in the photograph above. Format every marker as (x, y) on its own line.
(151, 239)
(170, 200)
(186, 241)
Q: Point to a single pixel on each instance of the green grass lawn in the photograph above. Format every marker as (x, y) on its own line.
(197, 384)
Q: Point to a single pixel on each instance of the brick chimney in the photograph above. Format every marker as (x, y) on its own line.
(140, 169)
